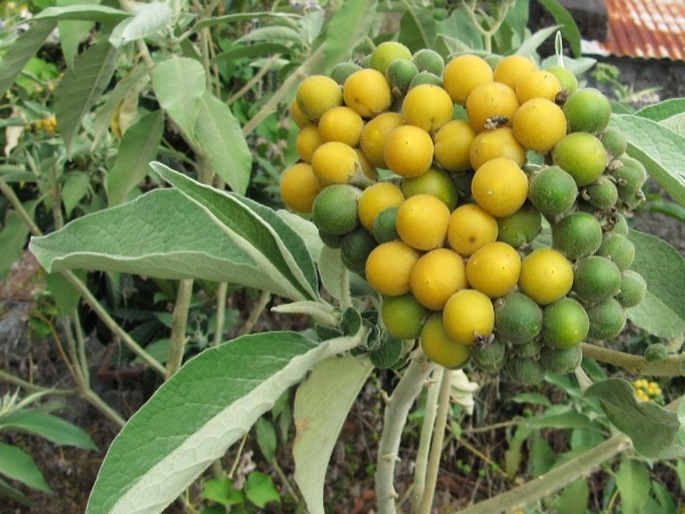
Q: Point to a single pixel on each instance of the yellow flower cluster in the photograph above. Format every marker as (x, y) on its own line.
(645, 390)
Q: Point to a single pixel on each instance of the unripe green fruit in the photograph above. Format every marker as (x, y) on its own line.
(564, 323)
(602, 194)
(355, 248)
(331, 240)
(630, 177)
(633, 288)
(365, 61)
(388, 52)
(520, 228)
(403, 316)
(518, 319)
(425, 77)
(335, 209)
(561, 361)
(614, 142)
(656, 352)
(525, 370)
(607, 319)
(567, 79)
(440, 14)
(489, 356)
(587, 110)
(596, 278)
(342, 70)
(582, 155)
(552, 191)
(435, 182)
(577, 235)
(529, 349)
(619, 249)
(384, 227)
(617, 224)
(399, 75)
(430, 61)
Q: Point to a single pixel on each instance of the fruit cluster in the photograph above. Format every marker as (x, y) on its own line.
(423, 174)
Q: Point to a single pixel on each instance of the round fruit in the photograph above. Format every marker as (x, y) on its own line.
(577, 235)
(335, 209)
(435, 182)
(539, 124)
(489, 355)
(630, 177)
(298, 116)
(617, 224)
(384, 225)
(403, 316)
(342, 70)
(596, 278)
(633, 288)
(399, 75)
(525, 370)
(500, 186)
(368, 169)
(355, 248)
(299, 187)
(520, 228)
(470, 228)
(408, 151)
(494, 269)
(546, 276)
(376, 198)
(388, 52)
(565, 323)
(607, 319)
(468, 315)
(582, 155)
(341, 124)
(317, 94)
(427, 107)
(463, 74)
(601, 194)
(568, 81)
(656, 352)
(436, 276)
(439, 347)
(452, 145)
(552, 191)
(518, 319)
(510, 69)
(331, 240)
(614, 142)
(491, 106)
(388, 268)
(619, 249)
(561, 361)
(429, 60)
(422, 222)
(538, 84)
(375, 134)
(307, 141)
(367, 92)
(529, 349)
(491, 144)
(335, 163)
(587, 110)
(425, 77)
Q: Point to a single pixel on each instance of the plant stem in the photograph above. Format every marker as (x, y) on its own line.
(256, 311)
(221, 295)
(553, 481)
(254, 80)
(436, 445)
(396, 411)
(179, 321)
(669, 367)
(33, 388)
(425, 438)
(19, 208)
(97, 402)
(321, 312)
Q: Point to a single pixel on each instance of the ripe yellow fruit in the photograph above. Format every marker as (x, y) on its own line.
(494, 269)
(374, 136)
(491, 106)
(408, 151)
(468, 315)
(368, 169)
(491, 144)
(335, 163)
(500, 187)
(341, 124)
(510, 69)
(546, 276)
(470, 228)
(436, 276)
(428, 107)
(297, 115)
(422, 222)
(307, 141)
(317, 94)
(299, 187)
(388, 268)
(463, 74)
(538, 84)
(452, 145)
(367, 92)
(539, 124)
(376, 198)
(438, 346)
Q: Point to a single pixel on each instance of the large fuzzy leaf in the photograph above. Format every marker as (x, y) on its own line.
(147, 19)
(347, 27)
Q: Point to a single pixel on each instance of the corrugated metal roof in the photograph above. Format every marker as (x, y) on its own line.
(646, 28)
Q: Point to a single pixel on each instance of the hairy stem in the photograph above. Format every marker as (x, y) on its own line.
(256, 311)
(221, 295)
(321, 312)
(179, 321)
(33, 388)
(669, 367)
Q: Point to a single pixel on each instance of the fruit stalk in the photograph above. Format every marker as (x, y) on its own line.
(669, 367)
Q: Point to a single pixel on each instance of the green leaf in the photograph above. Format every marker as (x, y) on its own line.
(290, 18)
(279, 35)
(417, 28)
(7, 491)
(653, 429)
(179, 84)
(555, 417)
(219, 137)
(79, 91)
(533, 399)
(260, 489)
(675, 123)
(66, 296)
(83, 12)
(322, 403)
(348, 25)
(659, 149)
(239, 51)
(531, 44)
(569, 29)
(632, 481)
(52, 428)
(194, 417)
(221, 490)
(307, 231)
(662, 110)
(147, 20)
(18, 465)
(13, 238)
(663, 496)
(662, 312)
(541, 456)
(333, 272)
(266, 439)
(574, 498)
(138, 147)
(75, 187)
(72, 32)
(20, 52)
